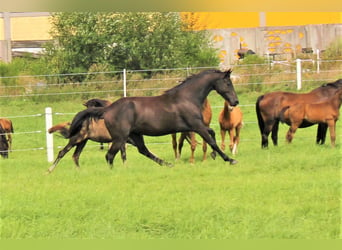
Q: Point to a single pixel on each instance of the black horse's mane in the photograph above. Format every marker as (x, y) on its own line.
(333, 84)
(191, 77)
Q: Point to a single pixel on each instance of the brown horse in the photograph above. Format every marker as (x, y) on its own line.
(97, 103)
(190, 136)
(91, 129)
(230, 119)
(269, 107)
(326, 112)
(7, 126)
(3, 143)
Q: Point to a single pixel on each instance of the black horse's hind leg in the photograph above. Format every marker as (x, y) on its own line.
(274, 134)
(140, 144)
(123, 153)
(113, 150)
(61, 154)
(209, 136)
(77, 153)
(321, 133)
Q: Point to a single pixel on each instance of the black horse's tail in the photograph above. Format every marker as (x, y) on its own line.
(77, 122)
(261, 122)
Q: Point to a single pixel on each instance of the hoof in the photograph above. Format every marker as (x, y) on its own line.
(233, 162)
(213, 155)
(167, 164)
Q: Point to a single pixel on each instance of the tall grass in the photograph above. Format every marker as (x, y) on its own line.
(285, 192)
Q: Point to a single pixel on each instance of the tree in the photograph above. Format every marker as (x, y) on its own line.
(146, 40)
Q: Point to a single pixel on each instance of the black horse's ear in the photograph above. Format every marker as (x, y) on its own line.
(227, 73)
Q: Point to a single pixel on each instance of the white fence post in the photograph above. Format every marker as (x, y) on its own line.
(299, 73)
(49, 137)
(124, 83)
(318, 61)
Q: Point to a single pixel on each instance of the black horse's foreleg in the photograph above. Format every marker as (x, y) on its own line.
(140, 144)
(209, 136)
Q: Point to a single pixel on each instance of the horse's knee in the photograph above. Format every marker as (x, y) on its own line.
(289, 136)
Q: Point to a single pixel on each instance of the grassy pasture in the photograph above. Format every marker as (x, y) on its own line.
(285, 192)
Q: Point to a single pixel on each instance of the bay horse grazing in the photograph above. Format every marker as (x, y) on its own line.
(326, 112)
(7, 126)
(190, 136)
(230, 119)
(270, 105)
(176, 110)
(90, 129)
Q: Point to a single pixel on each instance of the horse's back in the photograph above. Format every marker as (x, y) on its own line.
(6, 125)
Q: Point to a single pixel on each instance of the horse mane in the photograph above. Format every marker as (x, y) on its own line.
(333, 84)
(97, 103)
(193, 76)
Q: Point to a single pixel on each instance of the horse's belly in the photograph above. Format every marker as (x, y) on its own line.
(306, 124)
(158, 127)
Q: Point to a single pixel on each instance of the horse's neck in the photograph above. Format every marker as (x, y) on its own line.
(337, 100)
(226, 111)
(198, 95)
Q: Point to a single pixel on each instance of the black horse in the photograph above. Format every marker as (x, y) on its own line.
(177, 110)
(3, 143)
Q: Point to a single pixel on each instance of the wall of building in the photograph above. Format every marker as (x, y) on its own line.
(280, 42)
(224, 20)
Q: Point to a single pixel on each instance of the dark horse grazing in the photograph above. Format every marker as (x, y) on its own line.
(177, 110)
(326, 112)
(269, 107)
(3, 143)
(190, 136)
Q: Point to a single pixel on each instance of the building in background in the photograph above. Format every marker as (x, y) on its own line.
(23, 32)
(278, 35)
(274, 34)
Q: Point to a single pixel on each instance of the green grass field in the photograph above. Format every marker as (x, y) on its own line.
(285, 192)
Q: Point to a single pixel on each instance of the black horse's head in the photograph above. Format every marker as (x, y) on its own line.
(3, 144)
(225, 88)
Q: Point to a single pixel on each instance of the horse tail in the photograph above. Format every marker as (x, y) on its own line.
(62, 128)
(261, 122)
(77, 122)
